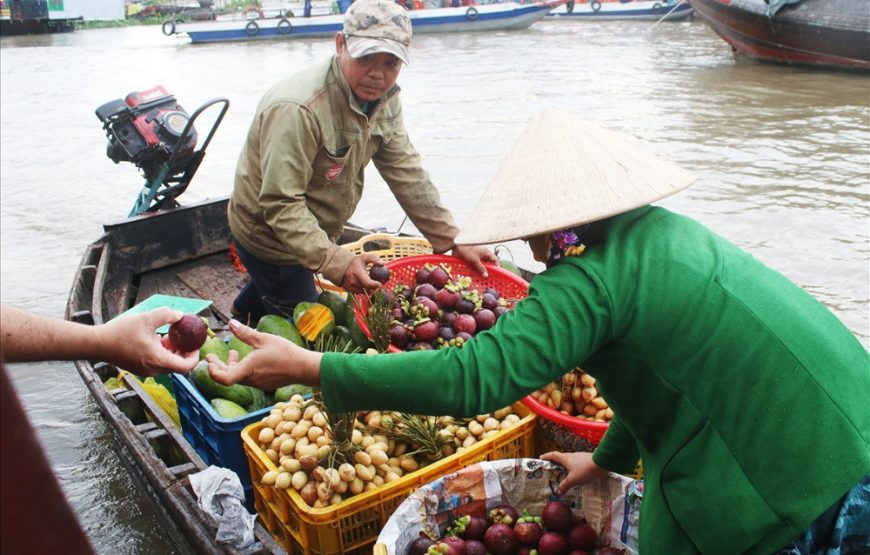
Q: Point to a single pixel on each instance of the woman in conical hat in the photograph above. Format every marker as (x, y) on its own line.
(744, 397)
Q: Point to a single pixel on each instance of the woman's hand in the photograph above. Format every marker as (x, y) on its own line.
(581, 468)
(274, 362)
(356, 277)
(476, 255)
(132, 344)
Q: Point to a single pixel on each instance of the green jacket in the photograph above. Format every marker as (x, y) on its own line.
(745, 397)
(300, 175)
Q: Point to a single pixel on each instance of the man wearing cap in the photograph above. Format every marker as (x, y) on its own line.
(300, 175)
(745, 397)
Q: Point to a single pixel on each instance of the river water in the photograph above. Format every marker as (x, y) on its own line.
(782, 157)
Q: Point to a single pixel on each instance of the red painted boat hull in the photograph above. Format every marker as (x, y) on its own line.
(830, 33)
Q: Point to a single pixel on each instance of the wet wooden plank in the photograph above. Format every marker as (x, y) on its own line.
(215, 278)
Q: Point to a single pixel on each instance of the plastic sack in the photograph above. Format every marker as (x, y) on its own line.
(158, 392)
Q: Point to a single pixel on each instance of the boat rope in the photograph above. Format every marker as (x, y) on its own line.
(662, 18)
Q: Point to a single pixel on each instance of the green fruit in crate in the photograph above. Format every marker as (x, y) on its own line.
(215, 346)
(284, 393)
(239, 346)
(227, 409)
(357, 334)
(242, 395)
(260, 400)
(280, 326)
(336, 303)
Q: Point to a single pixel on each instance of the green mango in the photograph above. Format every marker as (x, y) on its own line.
(284, 393)
(336, 303)
(239, 346)
(215, 346)
(260, 401)
(280, 326)
(242, 395)
(227, 409)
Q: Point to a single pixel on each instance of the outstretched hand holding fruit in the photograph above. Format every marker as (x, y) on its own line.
(581, 468)
(273, 363)
(476, 255)
(356, 277)
(130, 343)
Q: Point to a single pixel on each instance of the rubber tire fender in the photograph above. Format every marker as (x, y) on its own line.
(595, 5)
(471, 13)
(657, 8)
(284, 27)
(252, 29)
(170, 25)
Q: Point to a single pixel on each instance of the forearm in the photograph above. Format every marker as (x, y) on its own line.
(27, 337)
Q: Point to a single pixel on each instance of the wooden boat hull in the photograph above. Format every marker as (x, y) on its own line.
(488, 17)
(831, 33)
(649, 10)
(181, 252)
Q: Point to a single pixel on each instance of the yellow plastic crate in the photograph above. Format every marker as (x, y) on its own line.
(388, 247)
(352, 526)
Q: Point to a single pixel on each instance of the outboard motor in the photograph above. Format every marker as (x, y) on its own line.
(144, 129)
(152, 131)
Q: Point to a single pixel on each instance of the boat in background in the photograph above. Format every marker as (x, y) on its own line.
(828, 33)
(30, 17)
(608, 10)
(485, 17)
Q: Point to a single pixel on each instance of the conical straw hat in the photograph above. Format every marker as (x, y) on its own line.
(564, 172)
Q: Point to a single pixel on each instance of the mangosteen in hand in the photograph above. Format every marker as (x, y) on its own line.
(188, 334)
(379, 272)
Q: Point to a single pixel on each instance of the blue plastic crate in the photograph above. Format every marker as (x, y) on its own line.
(217, 439)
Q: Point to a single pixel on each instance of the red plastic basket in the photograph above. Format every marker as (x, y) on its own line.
(403, 270)
(590, 430)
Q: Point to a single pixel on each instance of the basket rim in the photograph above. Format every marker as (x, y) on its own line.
(573, 422)
(493, 269)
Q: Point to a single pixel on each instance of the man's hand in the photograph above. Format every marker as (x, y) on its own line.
(274, 362)
(132, 344)
(476, 255)
(356, 277)
(581, 468)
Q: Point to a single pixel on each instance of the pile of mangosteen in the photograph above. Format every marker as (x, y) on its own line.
(439, 309)
(502, 531)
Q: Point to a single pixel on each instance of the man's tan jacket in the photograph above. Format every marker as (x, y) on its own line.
(300, 175)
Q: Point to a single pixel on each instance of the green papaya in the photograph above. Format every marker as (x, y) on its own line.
(336, 303)
(239, 346)
(260, 401)
(242, 395)
(284, 393)
(227, 409)
(215, 346)
(280, 326)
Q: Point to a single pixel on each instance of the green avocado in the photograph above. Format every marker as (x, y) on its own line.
(215, 346)
(242, 395)
(336, 303)
(227, 409)
(280, 326)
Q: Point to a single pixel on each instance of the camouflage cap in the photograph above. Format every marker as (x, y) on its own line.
(372, 26)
